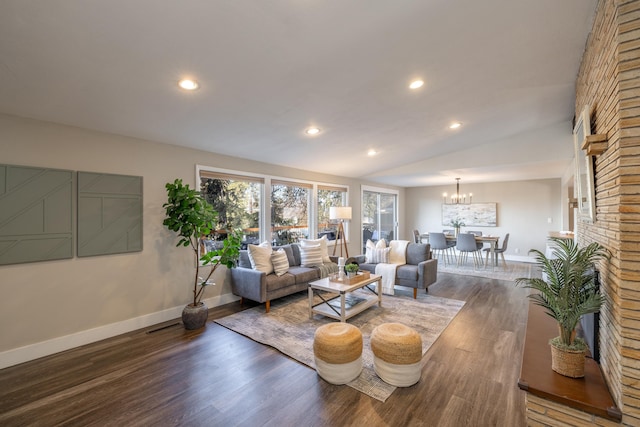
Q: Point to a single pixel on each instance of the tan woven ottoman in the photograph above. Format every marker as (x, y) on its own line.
(397, 351)
(337, 349)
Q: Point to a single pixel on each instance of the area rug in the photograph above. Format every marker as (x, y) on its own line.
(287, 328)
(513, 270)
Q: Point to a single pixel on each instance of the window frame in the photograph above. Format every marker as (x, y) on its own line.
(265, 197)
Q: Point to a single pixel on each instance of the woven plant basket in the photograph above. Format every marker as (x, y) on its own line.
(569, 363)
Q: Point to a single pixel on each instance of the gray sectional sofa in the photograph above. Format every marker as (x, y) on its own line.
(419, 272)
(260, 287)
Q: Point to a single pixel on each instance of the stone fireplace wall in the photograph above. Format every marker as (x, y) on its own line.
(609, 82)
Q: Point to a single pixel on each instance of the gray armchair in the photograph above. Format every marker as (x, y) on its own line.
(420, 271)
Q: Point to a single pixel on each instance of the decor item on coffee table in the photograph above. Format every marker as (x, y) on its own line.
(397, 351)
(346, 304)
(337, 351)
(568, 291)
(189, 215)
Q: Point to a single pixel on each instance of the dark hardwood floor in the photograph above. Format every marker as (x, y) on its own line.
(215, 377)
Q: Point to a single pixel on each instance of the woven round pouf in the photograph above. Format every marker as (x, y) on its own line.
(337, 349)
(397, 351)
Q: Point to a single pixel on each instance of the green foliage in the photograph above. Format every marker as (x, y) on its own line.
(192, 218)
(351, 268)
(457, 223)
(570, 289)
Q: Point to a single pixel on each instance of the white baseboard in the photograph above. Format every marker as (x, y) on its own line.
(45, 348)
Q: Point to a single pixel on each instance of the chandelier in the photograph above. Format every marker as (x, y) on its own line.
(457, 198)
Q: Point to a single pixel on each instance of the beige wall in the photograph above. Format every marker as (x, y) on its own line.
(524, 209)
(49, 306)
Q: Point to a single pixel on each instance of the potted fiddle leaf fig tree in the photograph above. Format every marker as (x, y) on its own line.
(568, 290)
(189, 215)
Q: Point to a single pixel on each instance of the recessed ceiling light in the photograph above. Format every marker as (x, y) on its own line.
(416, 84)
(372, 152)
(188, 84)
(455, 125)
(312, 131)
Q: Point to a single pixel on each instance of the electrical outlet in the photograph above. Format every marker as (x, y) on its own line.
(549, 220)
(517, 250)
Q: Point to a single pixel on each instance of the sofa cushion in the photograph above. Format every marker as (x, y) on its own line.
(280, 262)
(304, 274)
(311, 256)
(277, 282)
(323, 247)
(289, 251)
(407, 272)
(417, 253)
(243, 260)
(295, 249)
(260, 257)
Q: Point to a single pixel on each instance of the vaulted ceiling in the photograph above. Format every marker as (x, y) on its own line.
(268, 70)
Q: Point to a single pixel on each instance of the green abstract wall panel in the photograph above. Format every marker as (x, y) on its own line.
(36, 214)
(109, 214)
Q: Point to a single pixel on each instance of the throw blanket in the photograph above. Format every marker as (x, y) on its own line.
(388, 273)
(327, 269)
(397, 256)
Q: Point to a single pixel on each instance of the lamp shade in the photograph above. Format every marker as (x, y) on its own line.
(340, 212)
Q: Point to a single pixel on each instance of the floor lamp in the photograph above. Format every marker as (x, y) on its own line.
(342, 214)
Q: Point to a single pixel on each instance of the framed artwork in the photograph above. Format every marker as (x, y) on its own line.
(472, 214)
(584, 179)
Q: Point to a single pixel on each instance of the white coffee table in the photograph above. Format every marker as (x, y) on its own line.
(344, 305)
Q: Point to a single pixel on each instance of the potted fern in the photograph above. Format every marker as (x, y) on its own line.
(189, 215)
(568, 291)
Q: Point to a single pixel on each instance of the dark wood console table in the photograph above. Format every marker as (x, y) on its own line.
(589, 394)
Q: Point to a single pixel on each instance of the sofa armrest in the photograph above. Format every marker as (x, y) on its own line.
(360, 259)
(249, 283)
(428, 272)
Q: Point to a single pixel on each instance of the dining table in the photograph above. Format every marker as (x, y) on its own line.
(492, 240)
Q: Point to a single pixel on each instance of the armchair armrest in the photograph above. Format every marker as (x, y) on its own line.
(428, 272)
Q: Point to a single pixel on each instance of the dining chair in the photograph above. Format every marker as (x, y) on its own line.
(480, 245)
(440, 246)
(500, 251)
(416, 236)
(465, 244)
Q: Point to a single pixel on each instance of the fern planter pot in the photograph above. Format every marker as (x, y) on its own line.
(195, 317)
(569, 363)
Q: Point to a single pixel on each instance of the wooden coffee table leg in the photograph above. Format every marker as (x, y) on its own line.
(343, 314)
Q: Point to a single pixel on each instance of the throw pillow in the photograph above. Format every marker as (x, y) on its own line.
(280, 262)
(260, 257)
(370, 247)
(324, 248)
(398, 253)
(310, 256)
(379, 256)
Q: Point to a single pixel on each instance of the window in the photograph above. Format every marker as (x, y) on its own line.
(379, 215)
(289, 212)
(237, 199)
(327, 197)
(275, 209)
